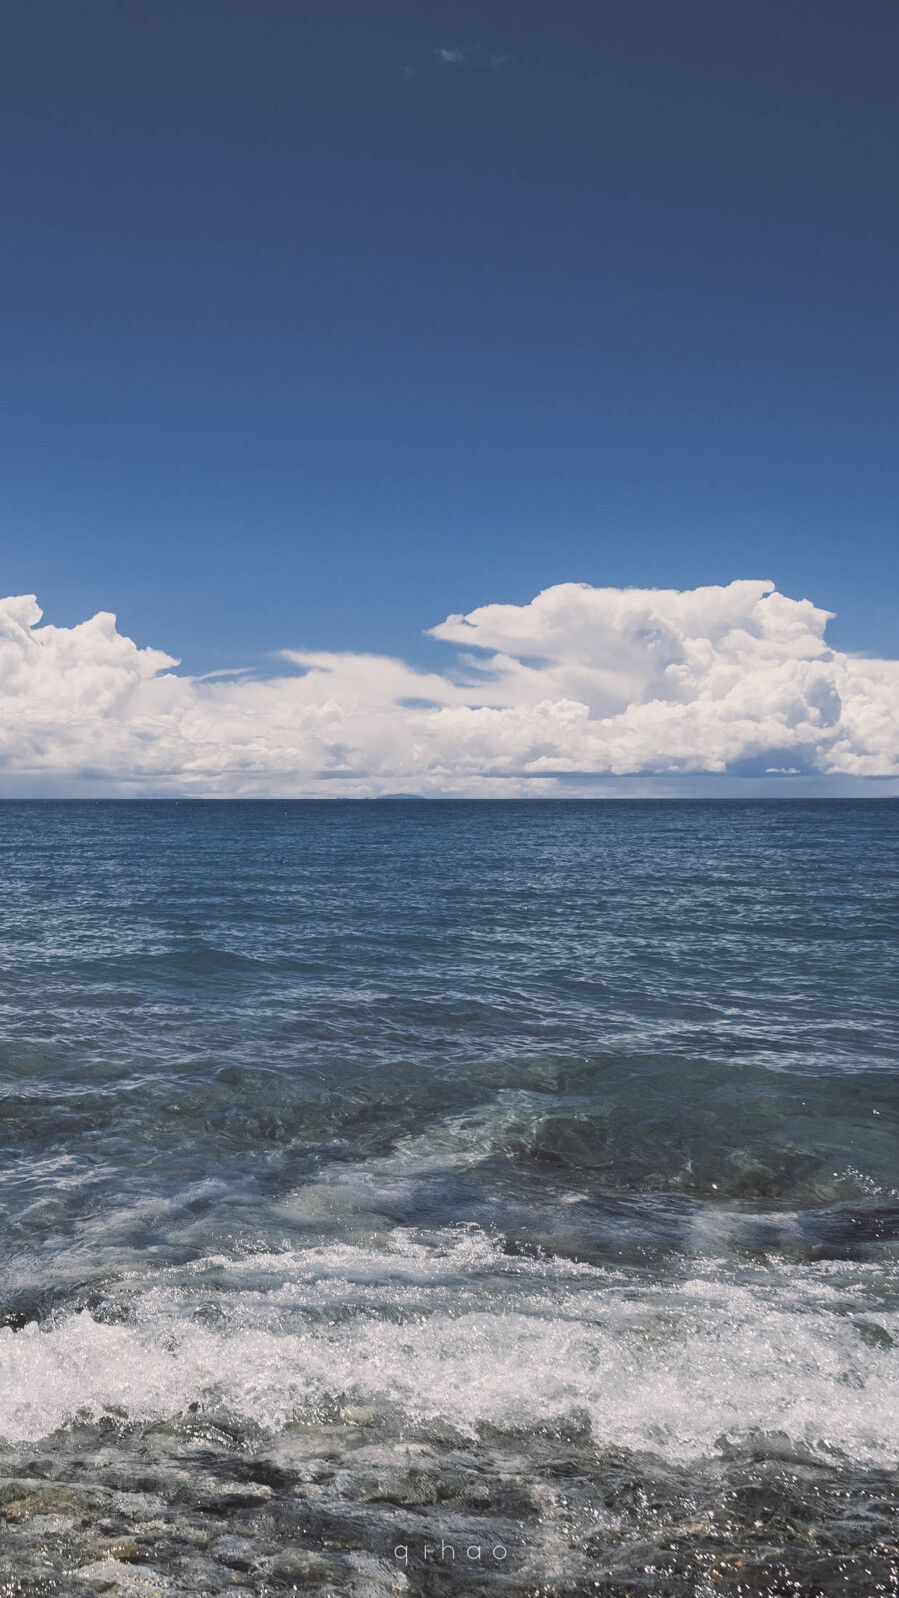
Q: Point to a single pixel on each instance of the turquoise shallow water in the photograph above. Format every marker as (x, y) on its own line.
(381, 1177)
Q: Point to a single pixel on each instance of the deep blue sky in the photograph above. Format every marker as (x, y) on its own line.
(311, 337)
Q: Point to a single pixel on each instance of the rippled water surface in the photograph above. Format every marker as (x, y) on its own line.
(429, 1198)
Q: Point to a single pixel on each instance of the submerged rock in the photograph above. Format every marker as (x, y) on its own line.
(111, 1575)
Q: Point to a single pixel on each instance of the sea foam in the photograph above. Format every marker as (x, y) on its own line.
(447, 1327)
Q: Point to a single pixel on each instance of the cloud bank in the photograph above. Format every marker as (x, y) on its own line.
(581, 686)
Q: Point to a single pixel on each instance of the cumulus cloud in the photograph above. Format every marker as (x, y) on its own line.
(581, 683)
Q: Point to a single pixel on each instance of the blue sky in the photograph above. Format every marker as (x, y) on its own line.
(312, 336)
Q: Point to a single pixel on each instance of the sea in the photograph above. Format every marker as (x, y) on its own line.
(449, 1197)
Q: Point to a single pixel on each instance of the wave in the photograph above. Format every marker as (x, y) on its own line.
(447, 1328)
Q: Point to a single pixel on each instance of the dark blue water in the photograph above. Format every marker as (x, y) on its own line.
(377, 1173)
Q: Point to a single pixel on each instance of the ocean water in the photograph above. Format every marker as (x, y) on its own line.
(445, 1197)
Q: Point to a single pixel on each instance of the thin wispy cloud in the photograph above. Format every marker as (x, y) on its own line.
(580, 683)
(467, 55)
(225, 671)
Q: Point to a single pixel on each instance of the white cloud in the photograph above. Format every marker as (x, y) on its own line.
(472, 53)
(582, 682)
(459, 56)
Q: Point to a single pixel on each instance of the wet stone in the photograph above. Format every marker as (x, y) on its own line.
(118, 1548)
(398, 1487)
(359, 1415)
(20, 1500)
(873, 1335)
(111, 1575)
(236, 1551)
(300, 1566)
(225, 1498)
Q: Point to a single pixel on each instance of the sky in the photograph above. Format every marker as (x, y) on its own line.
(323, 322)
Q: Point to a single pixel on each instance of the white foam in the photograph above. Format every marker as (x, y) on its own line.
(448, 1327)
